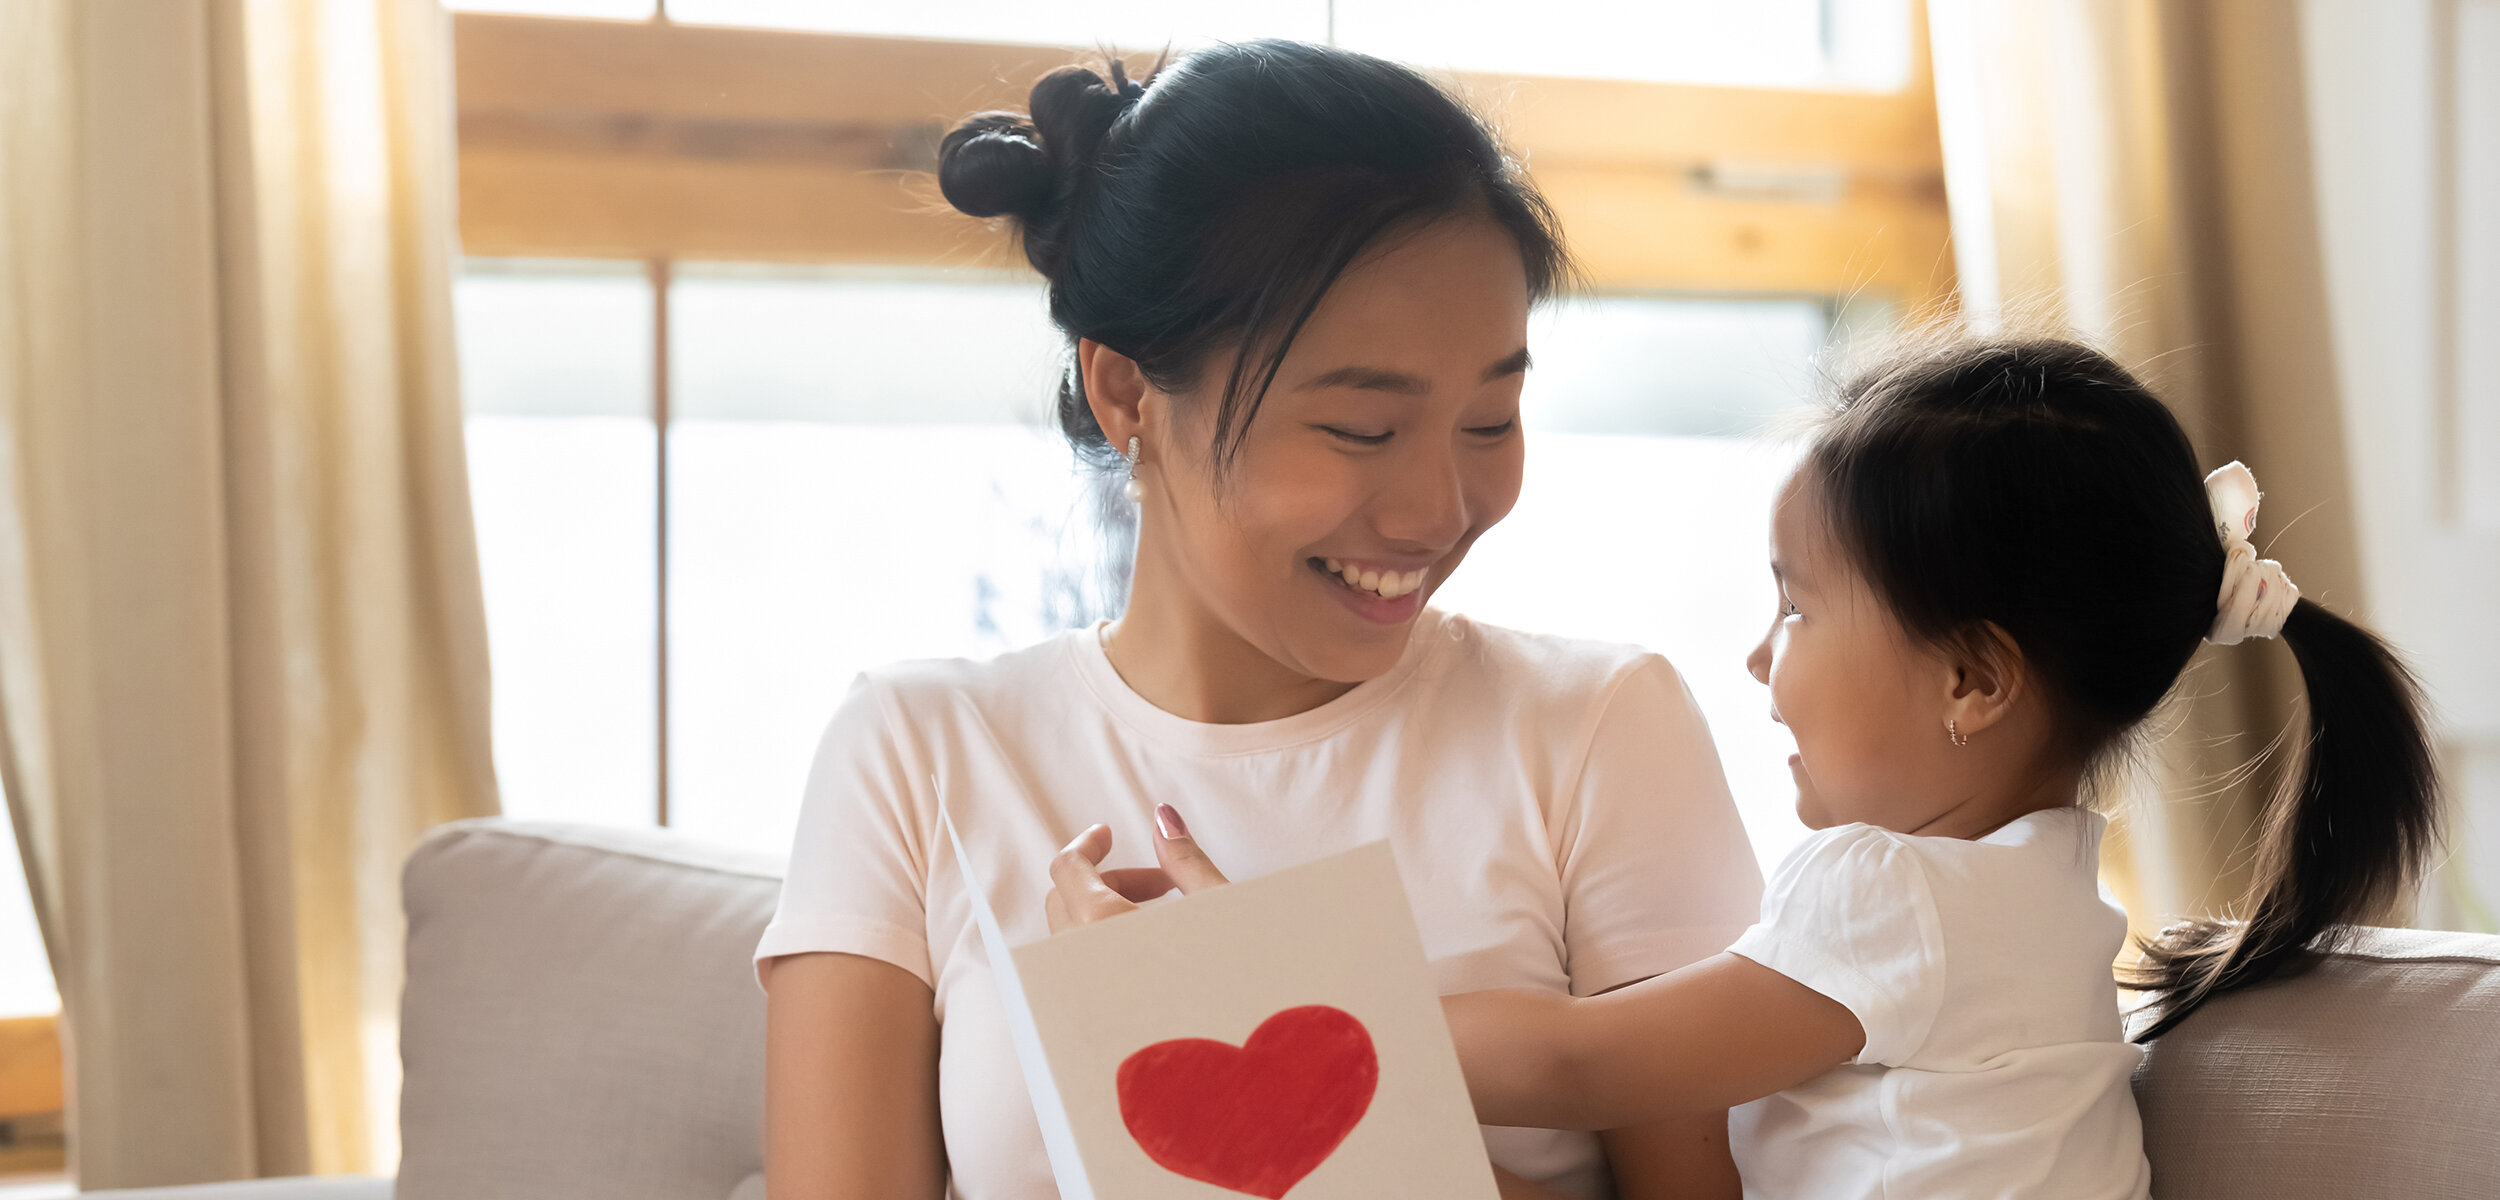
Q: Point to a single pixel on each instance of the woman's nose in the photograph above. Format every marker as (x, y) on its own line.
(1758, 663)
(1427, 505)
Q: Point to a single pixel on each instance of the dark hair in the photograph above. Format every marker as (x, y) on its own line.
(2038, 487)
(1212, 205)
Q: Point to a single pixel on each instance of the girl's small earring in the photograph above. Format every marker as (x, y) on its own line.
(1136, 491)
(1953, 733)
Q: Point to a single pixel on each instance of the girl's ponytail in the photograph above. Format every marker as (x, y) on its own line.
(2342, 840)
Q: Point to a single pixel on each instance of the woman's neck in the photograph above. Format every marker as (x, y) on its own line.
(1188, 662)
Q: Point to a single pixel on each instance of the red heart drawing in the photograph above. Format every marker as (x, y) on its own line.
(1253, 1118)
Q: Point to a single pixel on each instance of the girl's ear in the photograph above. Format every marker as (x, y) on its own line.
(1985, 674)
(1115, 389)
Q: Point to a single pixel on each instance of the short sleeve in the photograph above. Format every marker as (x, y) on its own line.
(1656, 870)
(1851, 914)
(858, 876)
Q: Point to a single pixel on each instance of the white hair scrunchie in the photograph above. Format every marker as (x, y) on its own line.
(2256, 596)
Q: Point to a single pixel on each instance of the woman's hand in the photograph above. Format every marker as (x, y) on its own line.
(1082, 892)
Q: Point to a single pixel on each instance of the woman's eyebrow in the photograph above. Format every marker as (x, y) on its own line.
(1516, 363)
(1370, 379)
(1405, 383)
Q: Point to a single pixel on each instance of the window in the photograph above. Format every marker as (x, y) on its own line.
(729, 244)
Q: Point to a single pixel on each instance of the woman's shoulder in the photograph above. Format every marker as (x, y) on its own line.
(1546, 666)
(912, 691)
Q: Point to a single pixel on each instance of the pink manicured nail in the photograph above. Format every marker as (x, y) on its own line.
(1168, 819)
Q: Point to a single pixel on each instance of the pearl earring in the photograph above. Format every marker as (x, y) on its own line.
(1953, 733)
(1136, 491)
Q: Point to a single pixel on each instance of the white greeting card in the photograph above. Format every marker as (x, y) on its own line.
(1275, 1037)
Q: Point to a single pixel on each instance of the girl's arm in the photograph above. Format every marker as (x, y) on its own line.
(1711, 1036)
(1679, 1158)
(850, 1081)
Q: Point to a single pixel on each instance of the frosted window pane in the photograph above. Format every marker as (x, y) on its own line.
(805, 553)
(822, 346)
(556, 369)
(1780, 43)
(1127, 24)
(1641, 365)
(860, 473)
(25, 974)
(553, 340)
(568, 545)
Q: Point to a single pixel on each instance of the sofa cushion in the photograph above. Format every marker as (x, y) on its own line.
(2375, 1072)
(581, 1020)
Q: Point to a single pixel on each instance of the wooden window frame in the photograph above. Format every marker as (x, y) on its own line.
(655, 141)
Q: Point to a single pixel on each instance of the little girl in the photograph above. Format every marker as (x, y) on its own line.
(1992, 565)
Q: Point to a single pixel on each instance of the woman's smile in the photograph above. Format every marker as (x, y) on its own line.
(1372, 590)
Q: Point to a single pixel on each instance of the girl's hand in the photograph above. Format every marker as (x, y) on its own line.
(1082, 892)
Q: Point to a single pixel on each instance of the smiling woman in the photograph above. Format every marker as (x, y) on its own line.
(1296, 284)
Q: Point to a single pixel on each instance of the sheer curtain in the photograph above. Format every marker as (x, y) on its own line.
(2138, 172)
(242, 650)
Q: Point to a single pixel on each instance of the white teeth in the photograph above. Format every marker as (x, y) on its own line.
(1388, 585)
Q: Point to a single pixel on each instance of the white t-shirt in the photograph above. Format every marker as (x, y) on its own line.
(1556, 809)
(1995, 1064)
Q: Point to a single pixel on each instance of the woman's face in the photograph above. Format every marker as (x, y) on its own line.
(1388, 443)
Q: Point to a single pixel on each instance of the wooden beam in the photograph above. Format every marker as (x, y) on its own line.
(638, 207)
(1652, 230)
(654, 140)
(1632, 229)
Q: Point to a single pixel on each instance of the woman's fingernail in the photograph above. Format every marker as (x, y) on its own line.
(1168, 819)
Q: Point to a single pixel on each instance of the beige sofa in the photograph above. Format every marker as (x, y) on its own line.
(581, 1024)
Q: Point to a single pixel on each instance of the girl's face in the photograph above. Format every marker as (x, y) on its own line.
(1388, 443)
(1863, 700)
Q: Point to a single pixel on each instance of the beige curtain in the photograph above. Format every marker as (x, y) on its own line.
(242, 647)
(2137, 171)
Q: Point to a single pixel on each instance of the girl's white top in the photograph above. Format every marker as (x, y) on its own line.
(1995, 1064)
(1556, 809)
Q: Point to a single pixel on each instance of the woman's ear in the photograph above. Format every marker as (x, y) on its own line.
(1114, 388)
(1985, 675)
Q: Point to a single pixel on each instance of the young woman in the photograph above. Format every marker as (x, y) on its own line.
(1296, 283)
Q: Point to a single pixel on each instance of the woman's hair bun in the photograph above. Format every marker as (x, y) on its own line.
(993, 165)
(1074, 108)
(1003, 163)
